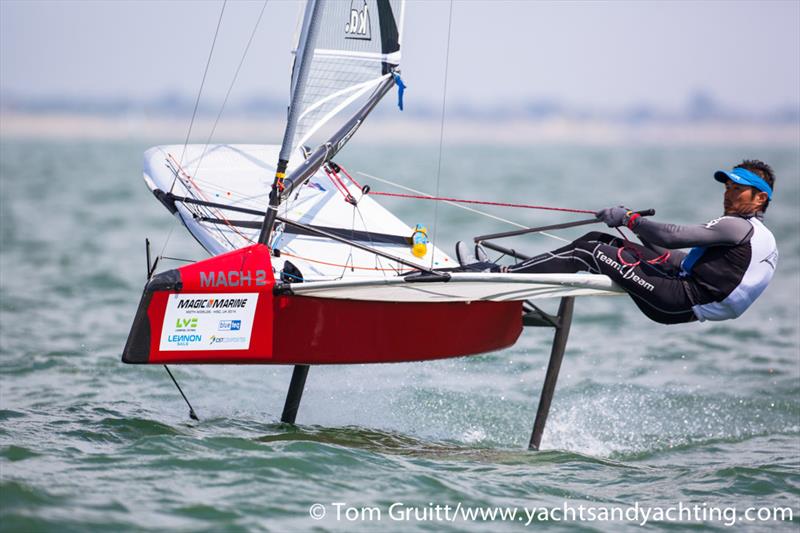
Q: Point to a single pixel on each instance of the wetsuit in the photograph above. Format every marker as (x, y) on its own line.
(731, 263)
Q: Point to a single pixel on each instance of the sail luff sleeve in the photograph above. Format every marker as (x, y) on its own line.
(299, 77)
(300, 46)
(306, 53)
(350, 49)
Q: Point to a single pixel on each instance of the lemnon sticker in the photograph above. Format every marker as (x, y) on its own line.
(208, 321)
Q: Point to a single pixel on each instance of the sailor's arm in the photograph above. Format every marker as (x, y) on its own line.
(724, 231)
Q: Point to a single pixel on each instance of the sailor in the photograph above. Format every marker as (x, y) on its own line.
(731, 261)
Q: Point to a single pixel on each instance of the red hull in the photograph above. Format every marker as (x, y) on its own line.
(288, 329)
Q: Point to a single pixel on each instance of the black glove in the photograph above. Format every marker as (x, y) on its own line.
(613, 216)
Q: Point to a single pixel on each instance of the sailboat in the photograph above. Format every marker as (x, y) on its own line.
(308, 268)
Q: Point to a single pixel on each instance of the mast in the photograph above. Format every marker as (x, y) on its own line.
(348, 52)
(305, 51)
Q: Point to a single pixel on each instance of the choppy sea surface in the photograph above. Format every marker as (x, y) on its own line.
(698, 416)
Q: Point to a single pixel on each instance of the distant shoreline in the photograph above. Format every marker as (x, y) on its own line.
(408, 131)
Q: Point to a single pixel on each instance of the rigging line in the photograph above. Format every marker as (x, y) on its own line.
(201, 210)
(200, 191)
(365, 248)
(482, 202)
(441, 136)
(352, 265)
(212, 184)
(221, 236)
(470, 209)
(202, 83)
(179, 259)
(357, 209)
(166, 241)
(424, 196)
(349, 262)
(230, 88)
(195, 212)
(352, 228)
(341, 186)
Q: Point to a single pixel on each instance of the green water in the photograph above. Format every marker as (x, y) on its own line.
(644, 414)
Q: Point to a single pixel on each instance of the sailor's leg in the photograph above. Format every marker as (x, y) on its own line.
(574, 257)
(655, 288)
(599, 236)
(658, 294)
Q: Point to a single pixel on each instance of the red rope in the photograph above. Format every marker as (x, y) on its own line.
(481, 202)
(661, 259)
(337, 182)
(461, 201)
(351, 178)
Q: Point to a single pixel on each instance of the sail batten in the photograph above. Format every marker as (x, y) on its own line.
(341, 104)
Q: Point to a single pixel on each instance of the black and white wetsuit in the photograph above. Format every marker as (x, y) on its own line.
(731, 262)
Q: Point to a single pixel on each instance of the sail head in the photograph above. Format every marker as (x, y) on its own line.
(355, 46)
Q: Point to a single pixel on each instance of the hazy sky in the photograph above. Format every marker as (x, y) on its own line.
(596, 55)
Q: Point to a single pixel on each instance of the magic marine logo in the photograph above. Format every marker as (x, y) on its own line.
(359, 26)
(213, 303)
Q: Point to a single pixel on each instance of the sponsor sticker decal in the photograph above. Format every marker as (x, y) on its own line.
(711, 223)
(229, 325)
(208, 321)
(358, 26)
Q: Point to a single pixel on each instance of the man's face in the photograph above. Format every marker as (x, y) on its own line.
(742, 199)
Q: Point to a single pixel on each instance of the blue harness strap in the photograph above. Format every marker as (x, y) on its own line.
(689, 261)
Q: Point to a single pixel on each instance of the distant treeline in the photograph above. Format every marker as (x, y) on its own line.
(700, 106)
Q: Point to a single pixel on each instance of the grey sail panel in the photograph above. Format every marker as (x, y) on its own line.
(356, 46)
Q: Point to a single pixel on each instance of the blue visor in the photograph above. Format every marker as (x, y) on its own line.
(742, 176)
